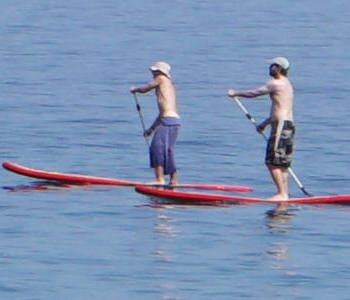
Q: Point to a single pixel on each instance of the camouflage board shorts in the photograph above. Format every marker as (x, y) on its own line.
(279, 148)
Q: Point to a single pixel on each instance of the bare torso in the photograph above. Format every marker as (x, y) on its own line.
(166, 97)
(280, 90)
(281, 94)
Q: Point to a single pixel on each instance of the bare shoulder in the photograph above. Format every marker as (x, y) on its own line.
(278, 83)
(272, 84)
(154, 82)
(162, 79)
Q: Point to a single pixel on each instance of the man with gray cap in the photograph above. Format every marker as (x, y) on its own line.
(280, 144)
(165, 126)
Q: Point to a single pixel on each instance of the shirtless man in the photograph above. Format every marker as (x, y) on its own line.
(280, 144)
(165, 126)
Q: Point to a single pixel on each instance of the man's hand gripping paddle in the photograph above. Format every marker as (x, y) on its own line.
(252, 120)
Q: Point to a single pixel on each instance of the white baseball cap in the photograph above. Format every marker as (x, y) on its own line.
(281, 61)
(162, 67)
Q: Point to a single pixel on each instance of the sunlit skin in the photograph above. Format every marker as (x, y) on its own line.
(281, 93)
(166, 101)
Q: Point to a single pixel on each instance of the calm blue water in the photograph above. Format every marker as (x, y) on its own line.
(66, 67)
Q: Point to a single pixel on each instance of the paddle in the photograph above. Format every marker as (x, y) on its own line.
(251, 119)
(138, 107)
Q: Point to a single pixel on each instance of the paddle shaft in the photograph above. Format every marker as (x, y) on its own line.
(252, 120)
(138, 107)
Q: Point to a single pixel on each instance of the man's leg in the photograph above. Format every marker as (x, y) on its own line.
(171, 167)
(158, 170)
(280, 178)
(173, 179)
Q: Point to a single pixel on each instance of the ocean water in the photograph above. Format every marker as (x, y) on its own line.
(66, 67)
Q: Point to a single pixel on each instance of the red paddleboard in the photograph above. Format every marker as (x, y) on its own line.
(194, 197)
(87, 179)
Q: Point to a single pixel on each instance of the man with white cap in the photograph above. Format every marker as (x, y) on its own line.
(165, 126)
(280, 144)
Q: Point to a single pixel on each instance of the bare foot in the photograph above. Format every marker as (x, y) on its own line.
(173, 180)
(278, 197)
(155, 182)
(173, 183)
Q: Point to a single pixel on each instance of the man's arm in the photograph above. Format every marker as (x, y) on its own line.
(252, 93)
(145, 88)
(153, 127)
(261, 127)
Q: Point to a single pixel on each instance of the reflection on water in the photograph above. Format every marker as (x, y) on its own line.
(37, 186)
(71, 63)
(280, 253)
(279, 224)
(279, 250)
(282, 262)
(278, 221)
(164, 227)
(165, 232)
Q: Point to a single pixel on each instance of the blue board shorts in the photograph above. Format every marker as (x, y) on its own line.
(162, 150)
(280, 145)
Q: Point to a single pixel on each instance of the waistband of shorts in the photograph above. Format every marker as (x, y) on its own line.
(287, 124)
(170, 121)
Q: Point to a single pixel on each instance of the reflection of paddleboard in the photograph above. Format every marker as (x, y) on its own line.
(173, 194)
(38, 186)
(86, 179)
